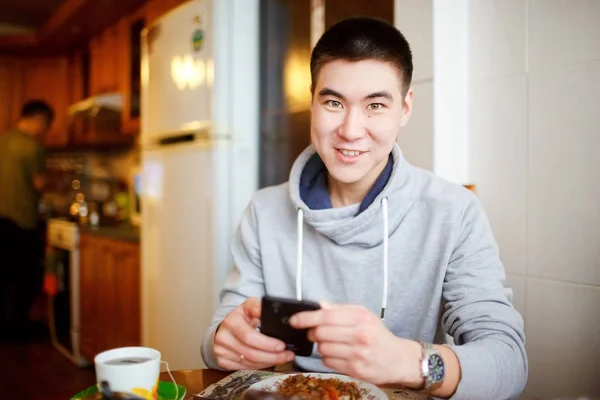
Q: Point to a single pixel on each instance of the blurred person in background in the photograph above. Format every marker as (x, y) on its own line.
(22, 164)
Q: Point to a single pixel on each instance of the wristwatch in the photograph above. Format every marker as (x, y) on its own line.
(432, 366)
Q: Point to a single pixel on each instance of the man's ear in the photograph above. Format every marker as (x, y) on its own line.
(407, 107)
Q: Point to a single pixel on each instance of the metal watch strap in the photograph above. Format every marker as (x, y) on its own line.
(427, 351)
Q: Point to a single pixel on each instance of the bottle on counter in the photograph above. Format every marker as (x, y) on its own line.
(94, 213)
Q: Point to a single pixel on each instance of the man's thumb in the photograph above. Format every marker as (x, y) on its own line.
(252, 307)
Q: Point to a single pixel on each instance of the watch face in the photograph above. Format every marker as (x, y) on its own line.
(436, 368)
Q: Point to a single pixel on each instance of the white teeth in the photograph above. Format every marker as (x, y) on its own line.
(350, 153)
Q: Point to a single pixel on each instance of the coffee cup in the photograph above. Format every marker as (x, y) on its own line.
(132, 370)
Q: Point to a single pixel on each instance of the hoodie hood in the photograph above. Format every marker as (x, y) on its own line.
(314, 189)
(346, 225)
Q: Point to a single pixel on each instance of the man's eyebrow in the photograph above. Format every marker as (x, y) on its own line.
(330, 92)
(383, 93)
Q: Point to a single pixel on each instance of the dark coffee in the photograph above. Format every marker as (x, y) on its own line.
(127, 360)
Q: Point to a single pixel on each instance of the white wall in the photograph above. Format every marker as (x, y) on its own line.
(414, 19)
(236, 113)
(451, 90)
(533, 109)
(534, 131)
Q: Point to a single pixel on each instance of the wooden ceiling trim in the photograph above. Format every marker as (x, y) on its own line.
(71, 26)
(62, 15)
(19, 40)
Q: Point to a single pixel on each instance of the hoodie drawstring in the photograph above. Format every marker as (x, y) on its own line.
(384, 212)
(300, 226)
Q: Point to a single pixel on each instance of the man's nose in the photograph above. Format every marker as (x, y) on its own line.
(352, 127)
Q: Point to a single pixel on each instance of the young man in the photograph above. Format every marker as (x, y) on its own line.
(22, 164)
(372, 231)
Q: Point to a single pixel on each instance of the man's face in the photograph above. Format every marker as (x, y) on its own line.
(356, 112)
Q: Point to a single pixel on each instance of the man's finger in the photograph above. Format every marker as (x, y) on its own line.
(240, 352)
(325, 305)
(340, 365)
(332, 333)
(336, 350)
(224, 353)
(249, 336)
(252, 307)
(229, 365)
(345, 316)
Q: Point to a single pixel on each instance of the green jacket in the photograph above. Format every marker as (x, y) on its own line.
(21, 157)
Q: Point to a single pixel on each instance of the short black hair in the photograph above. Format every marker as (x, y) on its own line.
(363, 38)
(34, 108)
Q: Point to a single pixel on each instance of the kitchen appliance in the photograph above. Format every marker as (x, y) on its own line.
(63, 306)
(199, 164)
(135, 199)
(96, 121)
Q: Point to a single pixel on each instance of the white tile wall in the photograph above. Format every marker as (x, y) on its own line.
(564, 167)
(534, 135)
(415, 20)
(534, 140)
(563, 328)
(416, 138)
(497, 38)
(498, 161)
(563, 32)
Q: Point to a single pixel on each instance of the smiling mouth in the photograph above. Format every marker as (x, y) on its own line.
(350, 153)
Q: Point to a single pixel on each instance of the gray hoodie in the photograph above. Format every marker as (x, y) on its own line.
(434, 267)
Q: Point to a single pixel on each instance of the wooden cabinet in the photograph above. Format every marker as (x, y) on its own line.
(77, 78)
(10, 92)
(105, 61)
(111, 62)
(154, 9)
(115, 64)
(110, 294)
(24, 79)
(96, 63)
(47, 79)
(115, 60)
(130, 30)
(91, 341)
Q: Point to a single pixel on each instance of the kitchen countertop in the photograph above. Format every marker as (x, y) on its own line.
(123, 231)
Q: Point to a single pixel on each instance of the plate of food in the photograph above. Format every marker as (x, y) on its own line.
(318, 386)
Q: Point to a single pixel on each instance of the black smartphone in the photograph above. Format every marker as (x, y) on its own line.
(275, 314)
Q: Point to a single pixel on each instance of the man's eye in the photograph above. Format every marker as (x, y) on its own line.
(375, 106)
(333, 103)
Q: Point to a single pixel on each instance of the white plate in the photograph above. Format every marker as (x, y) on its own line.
(368, 391)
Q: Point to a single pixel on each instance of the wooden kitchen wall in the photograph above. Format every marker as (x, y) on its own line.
(23, 79)
(9, 92)
(60, 80)
(110, 57)
(109, 51)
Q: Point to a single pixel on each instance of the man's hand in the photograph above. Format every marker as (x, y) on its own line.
(238, 345)
(354, 341)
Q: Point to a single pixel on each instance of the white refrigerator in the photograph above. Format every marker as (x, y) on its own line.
(199, 164)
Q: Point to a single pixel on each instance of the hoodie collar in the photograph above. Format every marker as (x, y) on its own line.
(314, 189)
(351, 224)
